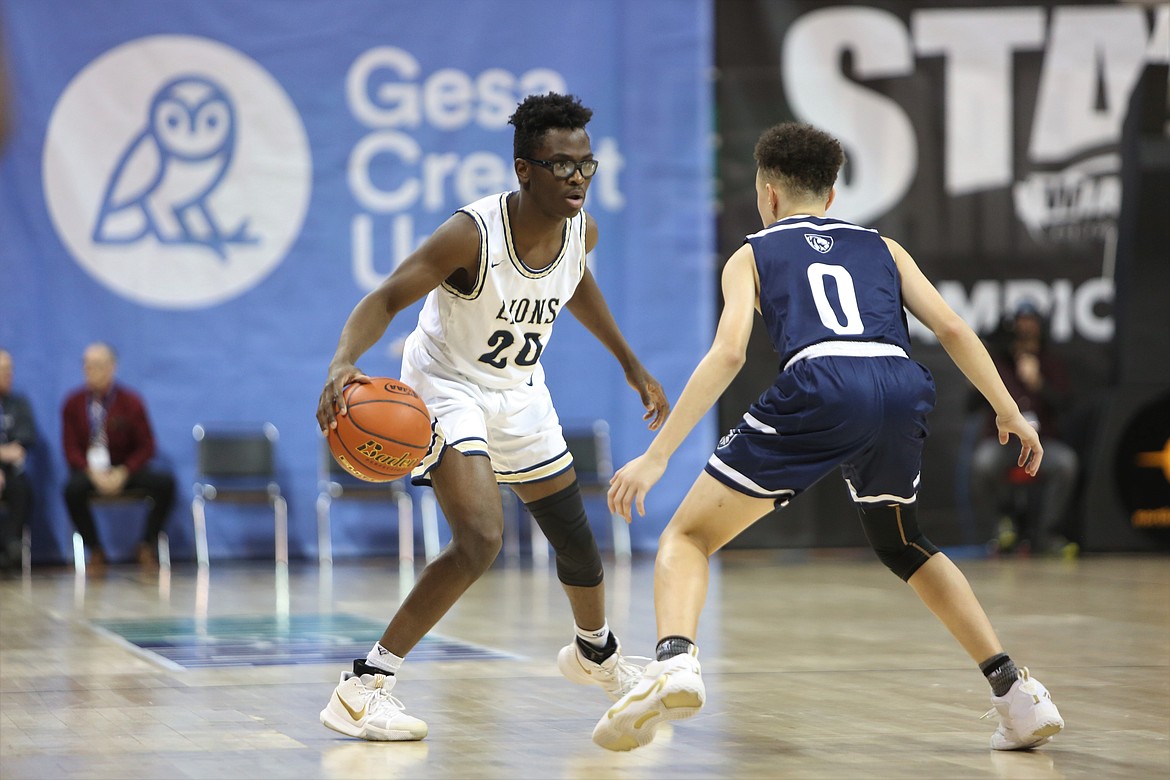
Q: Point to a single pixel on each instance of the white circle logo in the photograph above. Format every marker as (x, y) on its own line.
(176, 171)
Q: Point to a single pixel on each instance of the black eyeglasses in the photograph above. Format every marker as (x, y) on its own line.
(563, 169)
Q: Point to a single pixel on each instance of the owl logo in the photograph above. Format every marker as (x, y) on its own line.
(162, 182)
(196, 184)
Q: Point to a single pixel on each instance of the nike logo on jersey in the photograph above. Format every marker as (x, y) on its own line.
(818, 242)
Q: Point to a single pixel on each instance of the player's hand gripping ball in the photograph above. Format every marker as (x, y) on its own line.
(385, 433)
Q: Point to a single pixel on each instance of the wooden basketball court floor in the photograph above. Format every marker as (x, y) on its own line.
(817, 664)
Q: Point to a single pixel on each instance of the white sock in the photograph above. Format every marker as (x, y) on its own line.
(383, 659)
(597, 637)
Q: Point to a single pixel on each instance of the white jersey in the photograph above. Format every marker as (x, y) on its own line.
(494, 334)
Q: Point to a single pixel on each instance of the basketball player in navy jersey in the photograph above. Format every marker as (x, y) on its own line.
(497, 275)
(848, 396)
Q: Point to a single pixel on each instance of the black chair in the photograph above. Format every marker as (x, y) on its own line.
(127, 498)
(514, 514)
(593, 462)
(335, 483)
(26, 545)
(237, 463)
(38, 453)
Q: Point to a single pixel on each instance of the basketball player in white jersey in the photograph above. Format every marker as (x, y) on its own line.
(832, 295)
(497, 275)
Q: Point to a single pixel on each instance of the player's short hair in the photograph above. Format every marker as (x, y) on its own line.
(801, 158)
(537, 114)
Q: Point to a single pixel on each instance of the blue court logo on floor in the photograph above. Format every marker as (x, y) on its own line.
(271, 640)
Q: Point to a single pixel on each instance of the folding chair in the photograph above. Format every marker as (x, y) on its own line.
(593, 461)
(26, 546)
(335, 483)
(514, 513)
(237, 463)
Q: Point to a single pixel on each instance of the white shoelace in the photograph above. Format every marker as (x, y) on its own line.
(378, 697)
(628, 673)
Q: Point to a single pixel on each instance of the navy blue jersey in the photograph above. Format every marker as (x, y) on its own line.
(825, 279)
(847, 395)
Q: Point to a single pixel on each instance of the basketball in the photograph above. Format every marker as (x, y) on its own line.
(385, 433)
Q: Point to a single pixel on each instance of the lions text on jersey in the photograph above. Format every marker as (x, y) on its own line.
(494, 333)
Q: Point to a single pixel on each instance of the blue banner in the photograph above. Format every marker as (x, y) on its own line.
(320, 143)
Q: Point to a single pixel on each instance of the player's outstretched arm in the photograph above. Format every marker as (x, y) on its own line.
(450, 249)
(966, 349)
(710, 378)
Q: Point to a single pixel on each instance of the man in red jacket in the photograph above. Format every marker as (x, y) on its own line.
(109, 445)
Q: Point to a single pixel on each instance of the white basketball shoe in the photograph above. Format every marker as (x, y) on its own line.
(362, 707)
(1027, 716)
(669, 690)
(617, 675)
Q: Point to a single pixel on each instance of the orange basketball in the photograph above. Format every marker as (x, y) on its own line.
(385, 432)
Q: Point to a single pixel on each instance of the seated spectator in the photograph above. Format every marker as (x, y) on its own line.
(1038, 381)
(18, 434)
(109, 445)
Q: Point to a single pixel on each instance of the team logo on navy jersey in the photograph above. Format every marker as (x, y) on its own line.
(727, 439)
(818, 242)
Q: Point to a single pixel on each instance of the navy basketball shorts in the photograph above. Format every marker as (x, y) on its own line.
(865, 415)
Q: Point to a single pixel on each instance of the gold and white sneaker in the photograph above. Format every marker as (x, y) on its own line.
(617, 675)
(361, 706)
(1027, 716)
(669, 690)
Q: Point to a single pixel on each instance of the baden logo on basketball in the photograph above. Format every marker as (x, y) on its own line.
(193, 185)
(372, 451)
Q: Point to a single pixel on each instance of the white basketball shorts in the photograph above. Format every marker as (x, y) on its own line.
(516, 428)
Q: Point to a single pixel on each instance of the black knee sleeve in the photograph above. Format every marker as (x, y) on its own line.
(562, 518)
(892, 531)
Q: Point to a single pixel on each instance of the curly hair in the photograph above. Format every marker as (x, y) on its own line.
(800, 157)
(538, 114)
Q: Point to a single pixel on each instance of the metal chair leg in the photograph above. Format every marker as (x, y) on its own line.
(78, 553)
(539, 542)
(405, 527)
(164, 550)
(199, 519)
(280, 507)
(429, 509)
(324, 531)
(621, 537)
(511, 523)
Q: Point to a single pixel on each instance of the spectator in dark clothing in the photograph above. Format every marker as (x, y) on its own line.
(1038, 381)
(18, 434)
(109, 446)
